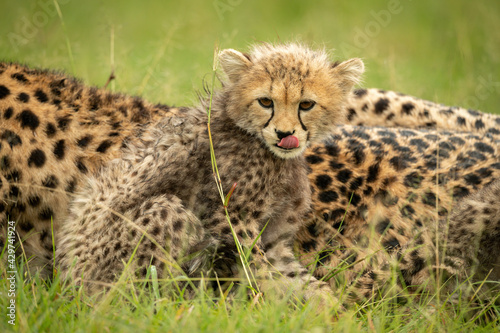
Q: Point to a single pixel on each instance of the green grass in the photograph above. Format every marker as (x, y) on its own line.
(445, 51)
(440, 50)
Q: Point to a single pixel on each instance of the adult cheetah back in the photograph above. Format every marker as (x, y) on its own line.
(54, 131)
(374, 107)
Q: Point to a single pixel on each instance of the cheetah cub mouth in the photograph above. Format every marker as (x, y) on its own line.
(288, 95)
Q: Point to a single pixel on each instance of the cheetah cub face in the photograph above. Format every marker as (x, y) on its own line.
(287, 95)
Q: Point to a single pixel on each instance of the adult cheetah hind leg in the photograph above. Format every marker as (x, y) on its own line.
(473, 238)
(97, 246)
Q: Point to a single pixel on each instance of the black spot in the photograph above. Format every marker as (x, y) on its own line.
(41, 96)
(312, 230)
(344, 175)
(355, 199)
(358, 153)
(50, 182)
(14, 176)
(26, 226)
(37, 158)
(373, 172)
(4, 162)
(407, 211)
(381, 105)
(54, 90)
(83, 142)
(104, 146)
(429, 198)
(12, 138)
(63, 122)
(407, 133)
(413, 180)
(50, 130)
(356, 183)
(8, 113)
(479, 124)
(59, 149)
(4, 91)
(70, 188)
(368, 190)
(350, 114)
(420, 144)
(323, 181)
(19, 77)
(477, 155)
(484, 148)
(390, 141)
(360, 92)
(81, 166)
(398, 163)
(407, 108)
(256, 214)
(391, 243)
(308, 246)
(456, 141)
(460, 121)
(314, 159)
(14, 191)
(335, 166)
(431, 137)
(460, 192)
(34, 201)
(360, 133)
(472, 179)
(46, 213)
(337, 214)
(23, 97)
(328, 196)
(28, 119)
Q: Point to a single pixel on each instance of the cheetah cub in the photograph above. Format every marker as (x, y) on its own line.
(160, 198)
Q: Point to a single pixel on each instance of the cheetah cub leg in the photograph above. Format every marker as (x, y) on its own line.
(283, 273)
(99, 242)
(288, 275)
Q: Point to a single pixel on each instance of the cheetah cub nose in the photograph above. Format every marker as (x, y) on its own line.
(288, 140)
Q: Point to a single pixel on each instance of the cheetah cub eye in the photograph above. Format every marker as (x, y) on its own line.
(306, 105)
(266, 102)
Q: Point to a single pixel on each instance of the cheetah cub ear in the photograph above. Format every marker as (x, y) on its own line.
(349, 73)
(234, 63)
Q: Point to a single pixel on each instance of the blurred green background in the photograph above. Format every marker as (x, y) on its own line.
(447, 51)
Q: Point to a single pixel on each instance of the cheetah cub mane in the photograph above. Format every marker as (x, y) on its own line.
(287, 95)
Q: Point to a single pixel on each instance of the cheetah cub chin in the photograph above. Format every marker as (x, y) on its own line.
(275, 101)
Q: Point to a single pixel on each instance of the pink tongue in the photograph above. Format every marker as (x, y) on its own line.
(289, 142)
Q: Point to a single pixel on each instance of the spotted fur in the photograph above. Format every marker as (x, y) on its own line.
(158, 197)
(374, 107)
(380, 194)
(88, 160)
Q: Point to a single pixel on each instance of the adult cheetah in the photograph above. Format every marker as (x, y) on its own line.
(381, 199)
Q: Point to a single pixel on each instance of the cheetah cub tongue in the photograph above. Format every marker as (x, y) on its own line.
(289, 142)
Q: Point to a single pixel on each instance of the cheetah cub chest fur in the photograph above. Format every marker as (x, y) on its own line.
(274, 103)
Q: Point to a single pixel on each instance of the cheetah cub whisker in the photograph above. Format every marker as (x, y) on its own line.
(275, 101)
